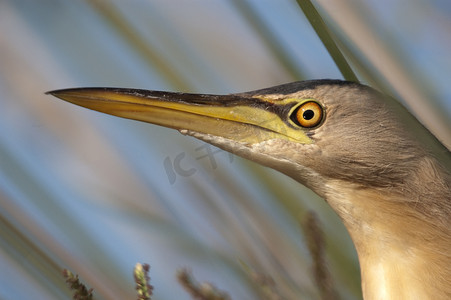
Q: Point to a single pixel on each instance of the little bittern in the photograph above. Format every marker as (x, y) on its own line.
(366, 156)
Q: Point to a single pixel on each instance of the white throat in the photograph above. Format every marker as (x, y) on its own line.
(401, 256)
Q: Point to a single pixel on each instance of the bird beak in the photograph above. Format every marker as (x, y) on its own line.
(238, 117)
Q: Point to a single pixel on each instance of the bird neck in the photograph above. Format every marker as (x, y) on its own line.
(401, 254)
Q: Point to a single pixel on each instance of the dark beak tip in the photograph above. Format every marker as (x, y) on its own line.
(53, 93)
(60, 92)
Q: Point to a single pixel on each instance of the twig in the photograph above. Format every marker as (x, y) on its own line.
(142, 279)
(200, 291)
(80, 290)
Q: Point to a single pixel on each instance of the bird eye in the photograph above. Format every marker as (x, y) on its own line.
(309, 114)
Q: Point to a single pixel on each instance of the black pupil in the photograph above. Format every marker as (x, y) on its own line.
(308, 114)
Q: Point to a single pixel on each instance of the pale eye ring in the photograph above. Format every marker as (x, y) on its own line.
(308, 114)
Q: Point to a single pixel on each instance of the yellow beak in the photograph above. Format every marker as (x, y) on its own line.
(239, 117)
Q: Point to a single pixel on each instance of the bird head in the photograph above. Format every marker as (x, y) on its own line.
(314, 131)
(365, 155)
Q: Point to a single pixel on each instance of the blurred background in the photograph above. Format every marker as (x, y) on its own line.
(97, 194)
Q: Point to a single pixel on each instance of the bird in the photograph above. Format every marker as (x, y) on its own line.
(379, 169)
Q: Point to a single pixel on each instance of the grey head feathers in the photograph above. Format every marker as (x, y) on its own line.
(367, 141)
